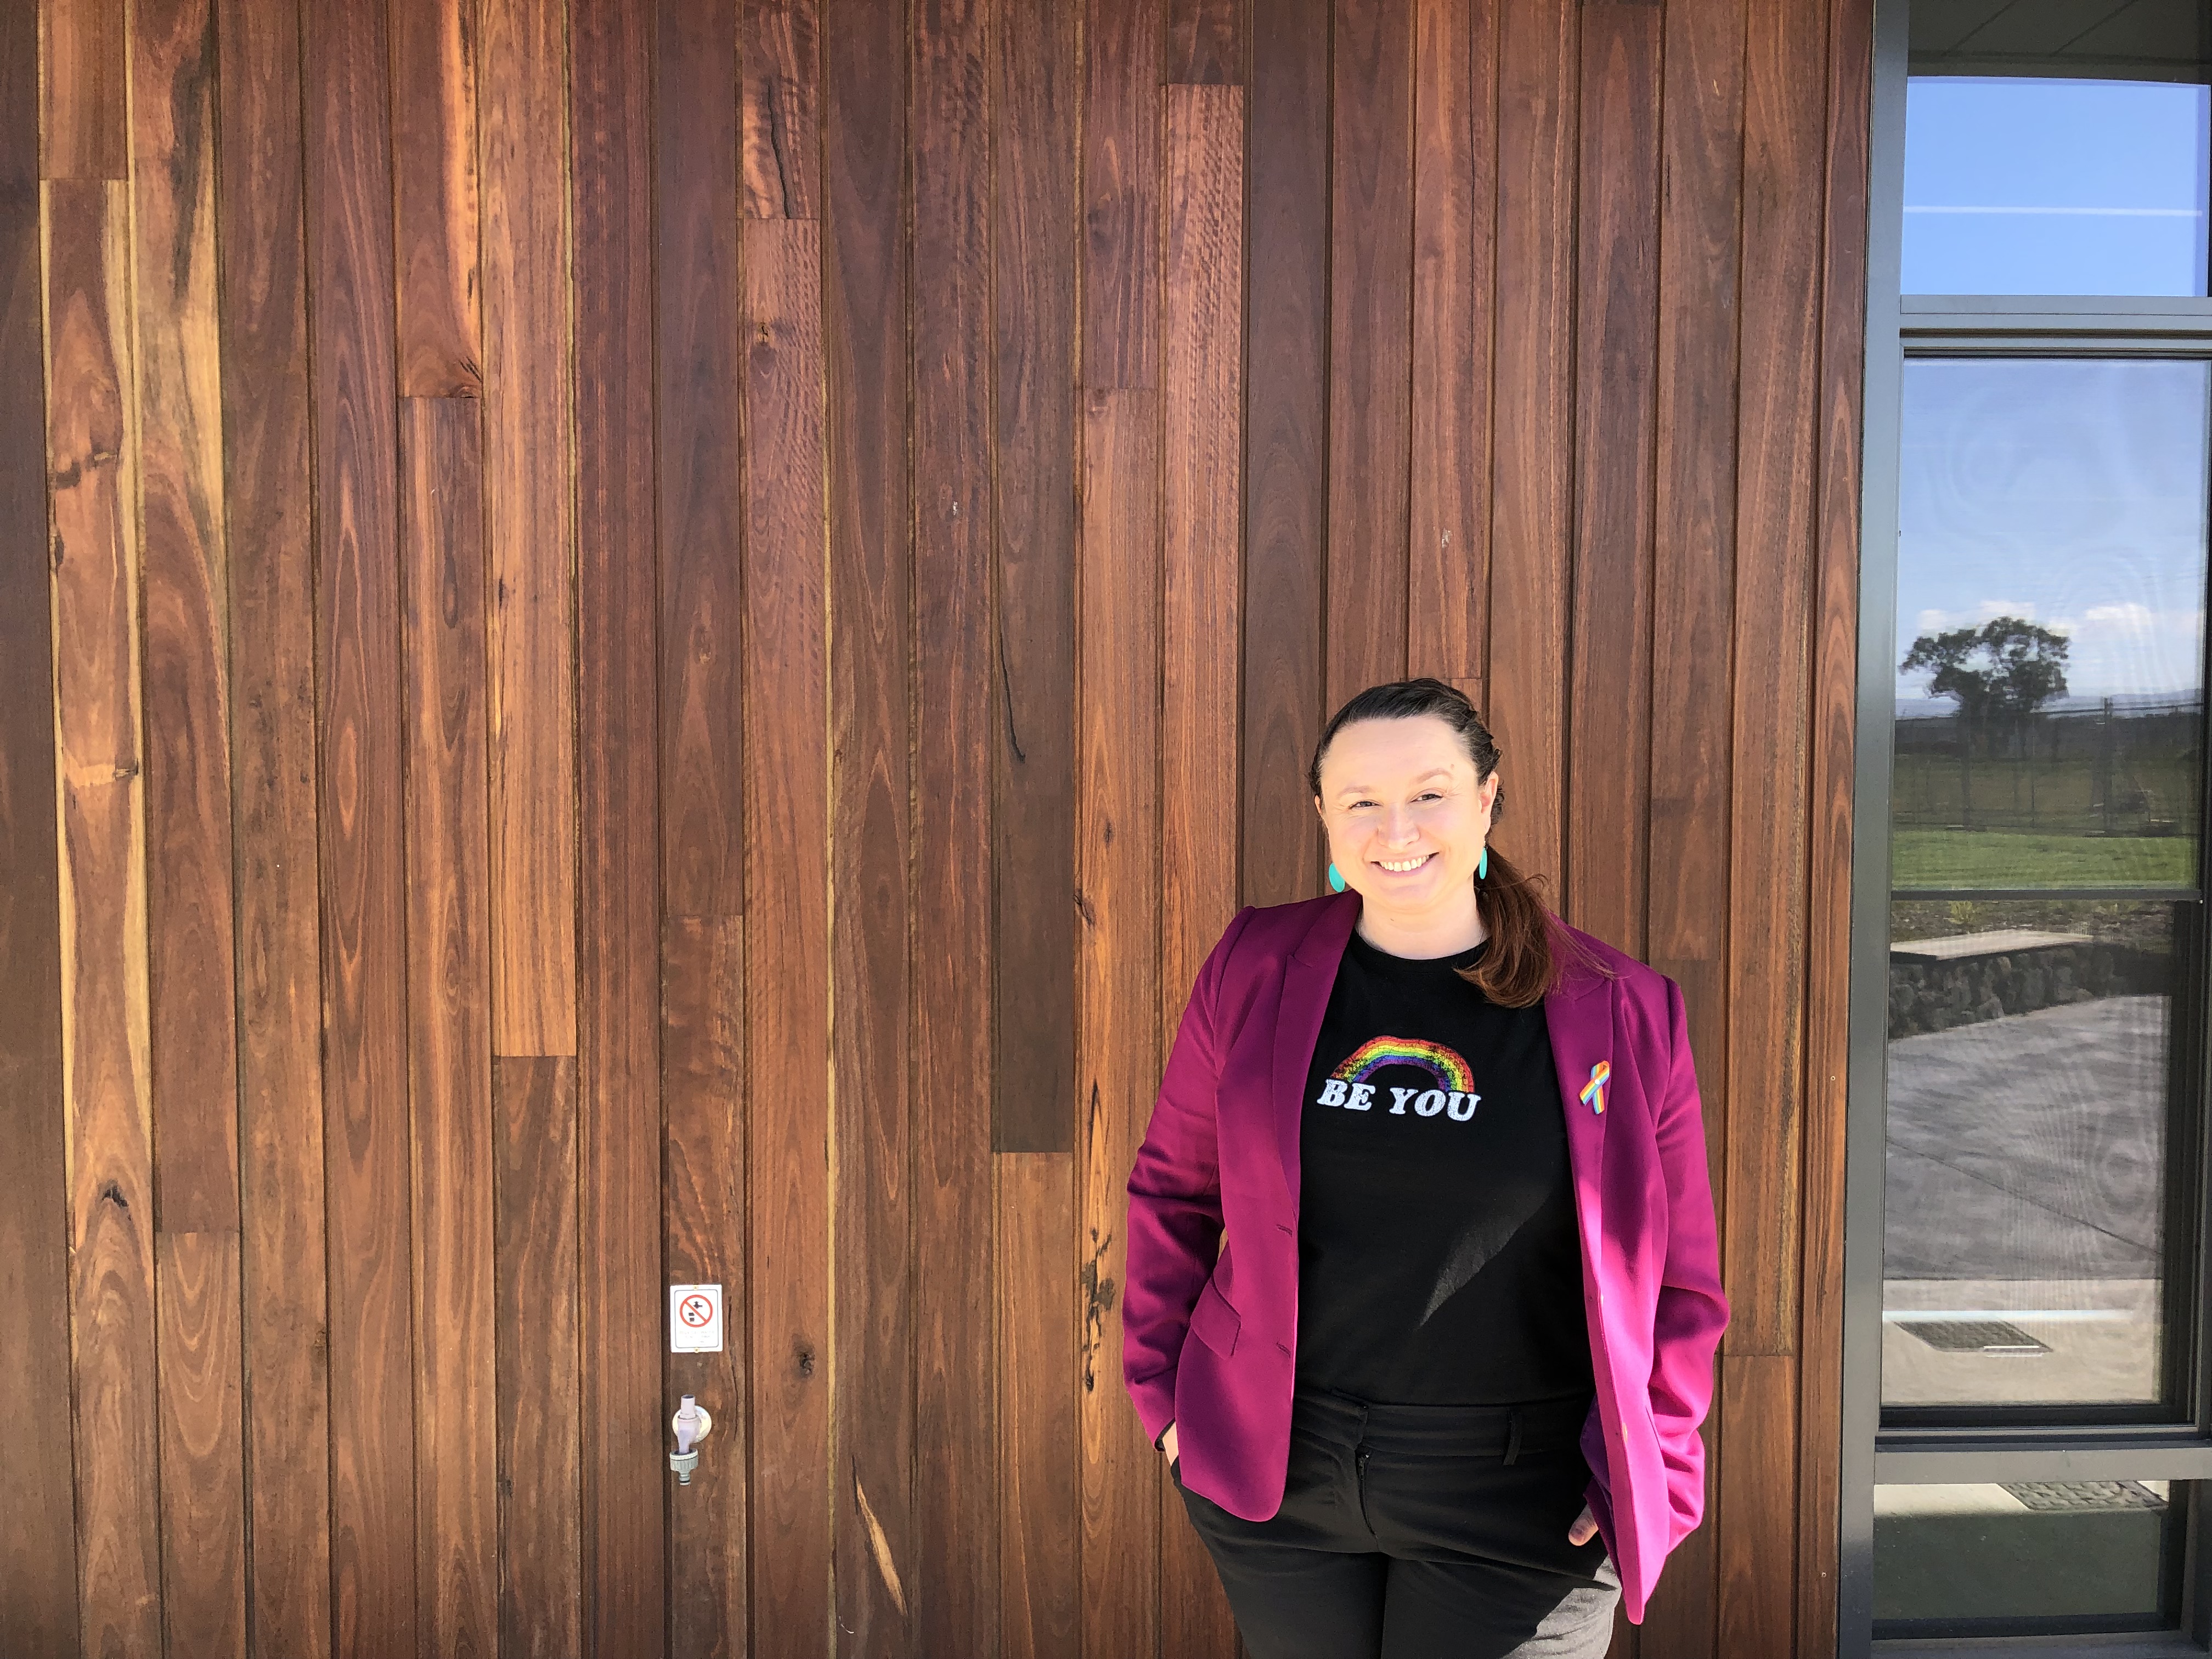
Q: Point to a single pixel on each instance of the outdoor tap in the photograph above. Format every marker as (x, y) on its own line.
(692, 1425)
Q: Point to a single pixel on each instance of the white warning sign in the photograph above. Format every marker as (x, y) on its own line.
(695, 1319)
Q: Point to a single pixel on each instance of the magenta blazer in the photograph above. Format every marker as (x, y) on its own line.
(1213, 1226)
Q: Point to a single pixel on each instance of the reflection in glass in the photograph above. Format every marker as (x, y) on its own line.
(2036, 184)
(2026, 1558)
(2050, 578)
(2029, 1083)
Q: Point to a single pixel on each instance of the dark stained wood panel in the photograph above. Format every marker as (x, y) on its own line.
(870, 647)
(449, 1063)
(954, 1570)
(703, 1049)
(1371, 234)
(434, 143)
(1454, 201)
(534, 1151)
(529, 526)
(86, 115)
(780, 114)
(1040, 1513)
(1834, 699)
(38, 1552)
(1117, 1035)
(1201, 362)
(359, 697)
(1120, 328)
(1784, 99)
(1616, 304)
(1287, 449)
(1206, 43)
(787, 809)
(1756, 1401)
(618, 1130)
(274, 815)
(1532, 446)
(92, 449)
(1034, 233)
(203, 1484)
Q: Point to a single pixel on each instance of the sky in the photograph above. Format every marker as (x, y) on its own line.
(2070, 492)
(2042, 185)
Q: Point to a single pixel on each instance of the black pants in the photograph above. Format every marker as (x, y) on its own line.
(1415, 1532)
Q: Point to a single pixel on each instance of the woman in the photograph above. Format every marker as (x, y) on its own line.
(1423, 1291)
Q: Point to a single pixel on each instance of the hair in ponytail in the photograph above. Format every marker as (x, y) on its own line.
(1523, 962)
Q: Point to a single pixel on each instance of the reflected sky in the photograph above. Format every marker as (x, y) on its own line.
(2044, 186)
(2070, 492)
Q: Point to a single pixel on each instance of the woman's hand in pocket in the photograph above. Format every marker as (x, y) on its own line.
(1168, 1442)
(1584, 1528)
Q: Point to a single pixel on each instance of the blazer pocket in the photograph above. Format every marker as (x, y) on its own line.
(1215, 1322)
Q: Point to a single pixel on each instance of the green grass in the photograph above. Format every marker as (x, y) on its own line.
(1960, 858)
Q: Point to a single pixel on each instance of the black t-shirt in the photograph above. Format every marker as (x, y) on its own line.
(1438, 1262)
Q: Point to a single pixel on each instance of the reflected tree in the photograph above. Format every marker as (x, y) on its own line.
(2000, 672)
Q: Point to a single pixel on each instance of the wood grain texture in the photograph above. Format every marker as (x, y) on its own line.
(1616, 308)
(618, 1129)
(1117, 965)
(1784, 94)
(780, 108)
(359, 697)
(267, 499)
(1454, 267)
(1532, 423)
(37, 1539)
(529, 525)
(702, 747)
(1370, 233)
(1835, 657)
(434, 143)
(86, 121)
(1201, 362)
(534, 1151)
(956, 1487)
(1693, 596)
(703, 1051)
(699, 362)
(787, 815)
(92, 446)
(1034, 233)
(1120, 337)
(203, 1484)
(1206, 43)
(1754, 1504)
(449, 1065)
(1287, 451)
(185, 622)
(1040, 1516)
(870, 647)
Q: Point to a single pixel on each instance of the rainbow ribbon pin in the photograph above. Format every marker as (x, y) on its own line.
(1594, 1090)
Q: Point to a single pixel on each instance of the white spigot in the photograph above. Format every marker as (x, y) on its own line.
(692, 1425)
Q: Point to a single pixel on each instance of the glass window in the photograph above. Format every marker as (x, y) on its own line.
(2058, 149)
(2052, 557)
(1991, 1558)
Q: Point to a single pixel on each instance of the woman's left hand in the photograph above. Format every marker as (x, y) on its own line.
(1584, 1528)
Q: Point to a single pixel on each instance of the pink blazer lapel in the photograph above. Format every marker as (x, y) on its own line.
(1308, 978)
(1579, 1016)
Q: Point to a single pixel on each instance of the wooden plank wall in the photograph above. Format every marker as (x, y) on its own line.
(665, 631)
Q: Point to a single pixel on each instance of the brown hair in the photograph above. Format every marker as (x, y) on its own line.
(1521, 963)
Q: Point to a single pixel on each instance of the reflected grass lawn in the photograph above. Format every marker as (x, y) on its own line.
(1958, 857)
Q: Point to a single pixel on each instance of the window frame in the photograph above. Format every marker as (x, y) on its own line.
(1898, 328)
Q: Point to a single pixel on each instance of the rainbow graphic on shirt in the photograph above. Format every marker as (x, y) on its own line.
(1450, 1071)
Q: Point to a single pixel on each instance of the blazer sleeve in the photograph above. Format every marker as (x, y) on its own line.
(1693, 1311)
(1174, 1200)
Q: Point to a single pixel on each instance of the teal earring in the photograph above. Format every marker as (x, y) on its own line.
(1481, 865)
(1335, 881)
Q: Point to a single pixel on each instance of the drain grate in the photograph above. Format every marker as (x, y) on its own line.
(1975, 1336)
(2085, 1495)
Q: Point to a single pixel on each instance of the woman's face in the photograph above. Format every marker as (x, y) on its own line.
(1406, 818)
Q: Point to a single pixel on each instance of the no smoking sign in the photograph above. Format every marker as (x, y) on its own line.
(695, 1319)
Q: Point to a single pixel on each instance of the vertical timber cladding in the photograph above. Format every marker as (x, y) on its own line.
(665, 633)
